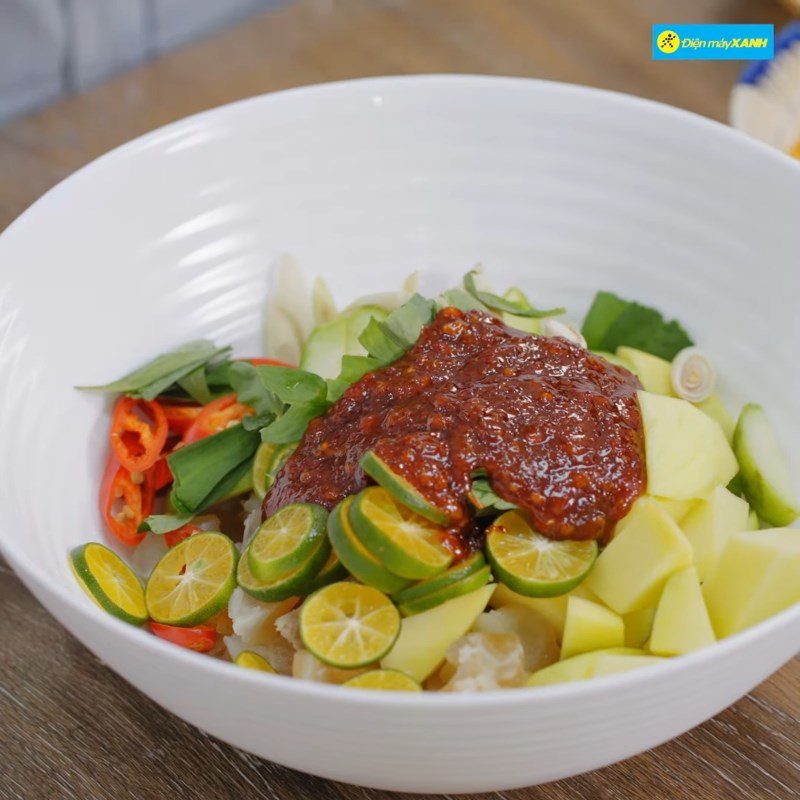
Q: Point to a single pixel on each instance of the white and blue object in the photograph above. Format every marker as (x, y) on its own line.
(765, 103)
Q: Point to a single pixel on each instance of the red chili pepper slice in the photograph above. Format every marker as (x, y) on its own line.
(124, 502)
(215, 417)
(138, 431)
(267, 362)
(160, 474)
(180, 416)
(200, 638)
(172, 538)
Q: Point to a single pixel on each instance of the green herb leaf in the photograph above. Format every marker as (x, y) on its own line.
(292, 385)
(285, 399)
(612, 322)
(386, 341)
(152, 379)
(381, 343)
(353, 369)
(251, 390)
(292, 424)
(177, 505)
(256, 422)
(163, 523)
(407, 321)
(458, 298)
(238, 481)
(485, 498)
(195, 385)
(605, 310)
(217, 374)
(202, 471)
(497, 303)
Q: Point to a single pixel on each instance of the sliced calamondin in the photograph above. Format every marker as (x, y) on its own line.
(109, 581)
(533, 565)
(193, 580)
(348, 625)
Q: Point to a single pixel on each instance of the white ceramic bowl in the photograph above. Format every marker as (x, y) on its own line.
(561, 189)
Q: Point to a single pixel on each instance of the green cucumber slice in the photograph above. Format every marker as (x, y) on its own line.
(764, 470)
(324, 348)
(326, 344)
(357, 320)
(400, 488)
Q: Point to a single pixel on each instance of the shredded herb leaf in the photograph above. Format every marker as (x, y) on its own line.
(217, 374)
(251, 390)
(163, 523)
(206, 470)
(386, 341)
(485, 498)
(307, 395)
(407, 321)
(292, 385)
(157, 376)
(497, 303)
(461, 299)
(285, 399)
(353, 369)
(381, 343)
(292, 424)
(613, 321)
(605, 309)
(196, 386)
(238, 481)
(255, 422)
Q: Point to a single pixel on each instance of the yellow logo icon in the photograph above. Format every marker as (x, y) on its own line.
(668, 41)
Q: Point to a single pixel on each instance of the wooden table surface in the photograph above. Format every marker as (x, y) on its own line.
(69, 727)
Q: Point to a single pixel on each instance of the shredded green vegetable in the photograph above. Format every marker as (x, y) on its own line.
(497, 303)
(205, 471)
(164, 371)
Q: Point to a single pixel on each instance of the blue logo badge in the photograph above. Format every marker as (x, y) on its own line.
(713, 42)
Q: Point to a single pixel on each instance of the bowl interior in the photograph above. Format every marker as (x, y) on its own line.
(561, 190)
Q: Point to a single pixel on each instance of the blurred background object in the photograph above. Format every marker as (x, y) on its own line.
(55, 54)
(51, 47)
(766, 101)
